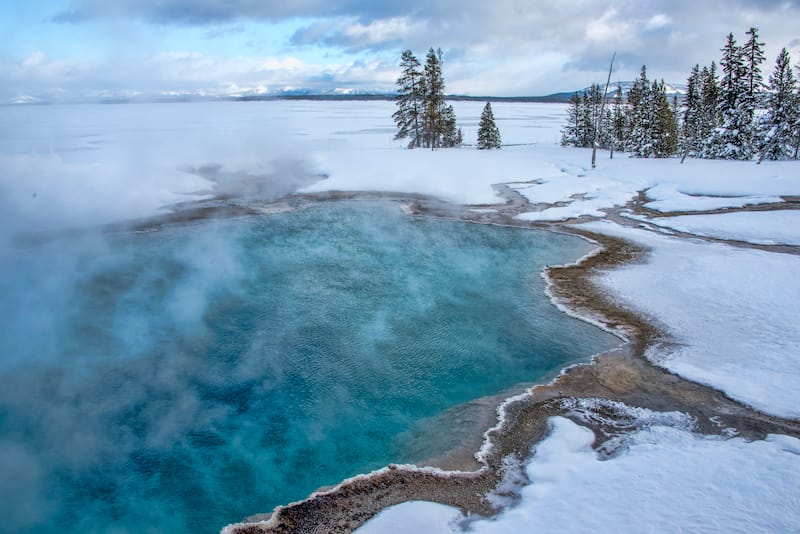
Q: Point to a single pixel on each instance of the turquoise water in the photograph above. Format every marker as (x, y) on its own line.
(184, 379)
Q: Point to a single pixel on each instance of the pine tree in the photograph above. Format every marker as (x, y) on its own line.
(640, 99)
(709, 114)
(488, 133)
(732, 139)
(570, 135)
(451, 134)
(410, 101)
(663, 132)
(691, 140)
(618, 123)
(595, 101)
(434, 99)
(586, 132)
(605, 137)
(796, 119)
(776, 126)
(752, 58)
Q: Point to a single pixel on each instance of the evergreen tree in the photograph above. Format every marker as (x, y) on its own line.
(594, 103)
(586, 132)
(709, 115)
(451, 134)
(422, 114)
(410, 101)
(571, 133)
(488, 133)
(605, 139)
(434, 100)
(796, 119)
(691, 140)
(752, 58)
(640, 101)
(618, 123)
(664, 133)
(776, 126)
(731, 140)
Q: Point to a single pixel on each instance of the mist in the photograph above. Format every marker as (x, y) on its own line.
(83, 166)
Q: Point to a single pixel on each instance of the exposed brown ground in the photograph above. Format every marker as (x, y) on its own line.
(623, 375)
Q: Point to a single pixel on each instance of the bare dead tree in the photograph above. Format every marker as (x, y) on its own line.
(602, 110)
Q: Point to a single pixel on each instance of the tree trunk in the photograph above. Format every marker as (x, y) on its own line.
(599, 121)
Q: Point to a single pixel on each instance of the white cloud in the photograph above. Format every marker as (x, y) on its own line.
(658, 21)
(379, 31)
(610, 26)
(33, 59)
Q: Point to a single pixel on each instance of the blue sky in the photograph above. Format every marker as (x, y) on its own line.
(503, 47)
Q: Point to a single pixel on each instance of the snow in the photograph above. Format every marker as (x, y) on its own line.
(459, 176)
(698, 185)
(780, 227)
(733, 312)
(663, 479)
(670, 199)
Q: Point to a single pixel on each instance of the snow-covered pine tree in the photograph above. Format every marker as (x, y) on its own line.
(488, 133)
(586, 131)
(709, 114)
(570, 135)
(691, 140)
(640, 141)
(434, 99)
(776, 126)
(595, 98)
(618, 125)
(796, 119)
(752, 58)
(663, 132)
(605, 139)
(410, 101)
(590, 103)
(731, 140)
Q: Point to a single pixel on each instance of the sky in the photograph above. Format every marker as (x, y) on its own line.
(94, 48)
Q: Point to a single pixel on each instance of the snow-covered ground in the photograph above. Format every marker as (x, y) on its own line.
(664, 479)
(780, 227)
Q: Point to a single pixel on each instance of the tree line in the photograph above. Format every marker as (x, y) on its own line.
(732, 114)
(423, 117)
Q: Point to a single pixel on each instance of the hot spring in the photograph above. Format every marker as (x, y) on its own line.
(183, 379)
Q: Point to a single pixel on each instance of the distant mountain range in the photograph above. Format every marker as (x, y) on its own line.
(118, 97)
(672, 89)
